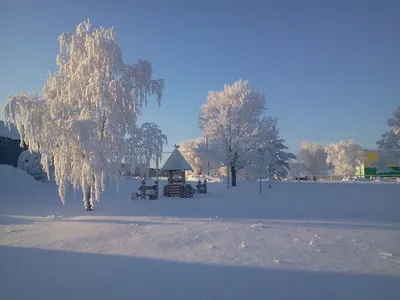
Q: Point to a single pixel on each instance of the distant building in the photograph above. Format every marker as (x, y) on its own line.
(9, 145)
(367, 169)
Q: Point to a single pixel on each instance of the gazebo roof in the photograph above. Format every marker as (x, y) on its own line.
(176, 162)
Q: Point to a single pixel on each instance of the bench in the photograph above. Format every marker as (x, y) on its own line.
(150, 191)
(201, 188)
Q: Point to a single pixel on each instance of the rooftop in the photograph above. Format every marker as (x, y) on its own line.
(176, 162)
(11, 132)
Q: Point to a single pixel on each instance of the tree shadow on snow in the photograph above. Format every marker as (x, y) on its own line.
(121, 222)
(272, 222)
(339, 225)
(330, 202)
(29, 273)
(16, 220)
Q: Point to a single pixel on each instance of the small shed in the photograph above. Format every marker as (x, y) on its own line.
(176, 164)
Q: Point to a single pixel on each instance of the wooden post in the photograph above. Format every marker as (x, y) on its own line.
(157, 168)
(156, 187)
(143, 190)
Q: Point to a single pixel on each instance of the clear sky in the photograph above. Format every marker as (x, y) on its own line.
(330, 69)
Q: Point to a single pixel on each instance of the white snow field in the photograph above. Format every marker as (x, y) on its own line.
(296, 241)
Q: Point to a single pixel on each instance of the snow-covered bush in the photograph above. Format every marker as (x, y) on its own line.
(30, 162)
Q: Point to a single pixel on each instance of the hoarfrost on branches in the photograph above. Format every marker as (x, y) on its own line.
(188, 150)
(297, 169)
(276, 158)
(144, 146)
(389, 144)
(313, 157)
(233, 121)
(86, 110)
(345, 156)
(270, 159)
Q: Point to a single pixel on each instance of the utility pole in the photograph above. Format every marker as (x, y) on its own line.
(227, 171)
(208, 158)
(260, 164)
(227, 181)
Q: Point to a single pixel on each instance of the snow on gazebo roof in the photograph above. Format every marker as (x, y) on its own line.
(176, 162)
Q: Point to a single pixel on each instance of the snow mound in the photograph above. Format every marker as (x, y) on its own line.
(30, 162)
(10, 175)
(18, 186)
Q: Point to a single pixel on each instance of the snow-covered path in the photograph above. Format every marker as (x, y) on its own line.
(296, 241)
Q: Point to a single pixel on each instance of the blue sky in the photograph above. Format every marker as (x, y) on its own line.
(330, 69)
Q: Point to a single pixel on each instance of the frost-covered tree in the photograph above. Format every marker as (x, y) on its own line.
(389, 144)
(297, 169)
(270, 159)
(188, 150)
(30, 162)
(86, 110)
(233, 120)
(277, 159)
(144, 146)
(313, 157)
(211, 152)
(345, 157)
(212, 155)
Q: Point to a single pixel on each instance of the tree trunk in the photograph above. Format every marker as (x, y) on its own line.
(233, 174)
(86, 200)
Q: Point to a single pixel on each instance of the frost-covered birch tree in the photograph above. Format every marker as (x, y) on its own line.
(144, 146)
(389, 144)
(345, 157)
(86, 110)
(233, 119)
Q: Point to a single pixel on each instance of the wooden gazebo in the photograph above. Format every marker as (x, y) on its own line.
(176, 165)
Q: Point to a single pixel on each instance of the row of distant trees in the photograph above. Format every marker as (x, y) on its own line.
(312, 159)
(345, 157)
(341, 158)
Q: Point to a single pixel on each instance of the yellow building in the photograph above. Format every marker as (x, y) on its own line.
(367, 169)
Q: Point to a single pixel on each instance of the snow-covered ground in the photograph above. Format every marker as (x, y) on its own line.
(295, 241)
